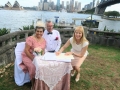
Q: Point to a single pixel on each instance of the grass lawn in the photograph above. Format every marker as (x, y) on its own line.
(100, 71)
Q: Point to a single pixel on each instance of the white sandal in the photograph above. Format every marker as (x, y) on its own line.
(77, 79)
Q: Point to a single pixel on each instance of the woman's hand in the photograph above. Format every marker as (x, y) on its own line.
(68, 53)
(32, 57)
(57, 53)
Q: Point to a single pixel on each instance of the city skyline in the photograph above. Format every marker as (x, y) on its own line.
(31, 3)
(35, 3)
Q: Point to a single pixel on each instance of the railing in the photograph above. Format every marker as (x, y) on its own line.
(8, 42)
(104, 38)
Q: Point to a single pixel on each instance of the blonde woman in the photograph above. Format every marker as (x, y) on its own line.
(79, 50)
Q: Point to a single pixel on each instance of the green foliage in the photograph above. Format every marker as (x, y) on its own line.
(112, 30)
(55, 26)
(31, 27)
(114, 14)
(81, 12)
(105, 28)
(4, 31)
(28, 27)
(119, 31)
(91, 11)
(22, 36)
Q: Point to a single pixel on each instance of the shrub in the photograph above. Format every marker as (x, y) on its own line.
(4, 31)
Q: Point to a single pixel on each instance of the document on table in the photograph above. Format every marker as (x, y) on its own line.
(49, 56)
(62, 57)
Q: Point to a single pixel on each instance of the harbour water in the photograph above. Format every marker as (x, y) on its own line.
(13, 19)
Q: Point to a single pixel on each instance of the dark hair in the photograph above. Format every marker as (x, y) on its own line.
(37, 27)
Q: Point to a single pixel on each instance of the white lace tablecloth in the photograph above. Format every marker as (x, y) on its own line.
(51, 72)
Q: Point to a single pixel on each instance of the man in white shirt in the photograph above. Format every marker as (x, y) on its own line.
(52, 37)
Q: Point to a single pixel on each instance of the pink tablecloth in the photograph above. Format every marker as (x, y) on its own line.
(51, 75)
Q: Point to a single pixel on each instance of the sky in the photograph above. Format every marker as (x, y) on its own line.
(30, 3)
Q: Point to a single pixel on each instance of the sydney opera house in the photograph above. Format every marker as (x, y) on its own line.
(16, 6)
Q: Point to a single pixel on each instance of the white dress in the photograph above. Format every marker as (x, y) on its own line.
(76, 48)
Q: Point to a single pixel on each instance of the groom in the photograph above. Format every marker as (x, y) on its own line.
(52, 37)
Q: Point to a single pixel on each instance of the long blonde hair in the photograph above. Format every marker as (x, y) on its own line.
(83, 38)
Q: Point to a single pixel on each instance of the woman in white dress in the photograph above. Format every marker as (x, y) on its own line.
(79, 48)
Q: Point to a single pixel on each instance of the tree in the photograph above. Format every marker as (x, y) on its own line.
(114, 14)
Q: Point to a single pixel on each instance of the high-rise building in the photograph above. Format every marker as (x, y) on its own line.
(45, 0)
(40, 1)
(76, 4)
(71, 5)
(58, 5)
(50, 1)
(97, 3)
(52, 5)
(44, 3)
(85, 7)
(67, 6)
(62, 4)
(90, 5)
(79, 6)
(93, 3)
(46, 6)
(40, 6)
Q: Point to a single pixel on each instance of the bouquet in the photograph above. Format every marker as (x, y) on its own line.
(38, 51)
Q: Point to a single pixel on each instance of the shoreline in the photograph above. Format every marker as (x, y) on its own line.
(113, 19)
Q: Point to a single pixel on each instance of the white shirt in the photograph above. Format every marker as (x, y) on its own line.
(51, 43)
(77, 48)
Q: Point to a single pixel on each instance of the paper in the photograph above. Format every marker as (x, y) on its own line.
(49, 56)
(62, 57)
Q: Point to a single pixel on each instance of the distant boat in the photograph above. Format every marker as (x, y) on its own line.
(89, 22)
(25, 10)
(63, 10)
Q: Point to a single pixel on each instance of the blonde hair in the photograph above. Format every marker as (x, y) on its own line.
(83, 38)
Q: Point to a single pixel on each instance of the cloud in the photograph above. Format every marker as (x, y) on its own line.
(115, 7)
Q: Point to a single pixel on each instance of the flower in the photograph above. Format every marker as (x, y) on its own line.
(38, 51)
(56, 38)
